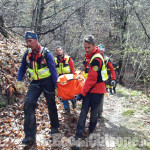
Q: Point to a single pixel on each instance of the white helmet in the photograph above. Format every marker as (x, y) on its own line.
(101, 47)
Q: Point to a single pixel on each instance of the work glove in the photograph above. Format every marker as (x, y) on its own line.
(56, 91)
(19, 87)
(80, 97)
(113, 82)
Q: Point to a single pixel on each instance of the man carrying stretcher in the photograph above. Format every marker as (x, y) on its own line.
(64, 65)
(94, 87)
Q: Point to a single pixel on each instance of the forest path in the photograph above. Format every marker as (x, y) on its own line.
(114, 132)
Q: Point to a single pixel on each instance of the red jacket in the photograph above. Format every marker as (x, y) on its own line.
(71, 64)
(92, 85)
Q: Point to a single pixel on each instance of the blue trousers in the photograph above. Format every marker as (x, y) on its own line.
(66, 103)
(92, 101)
(35, 89)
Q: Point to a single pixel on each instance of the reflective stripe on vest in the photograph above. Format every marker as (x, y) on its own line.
(103, 69)
(61, 69)
(114, 68)
(35, 73)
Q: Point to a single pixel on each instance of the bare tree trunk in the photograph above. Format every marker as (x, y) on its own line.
(33, 17)
(110, 17)
(122, 64)
(2, 28)
(122, 26)
(146, 89)
(37, 15)
(41, 9)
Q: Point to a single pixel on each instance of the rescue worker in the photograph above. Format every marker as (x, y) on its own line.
(112, 77)
(64, 65)
(110, 70)
(94, 87)
(108, 82)
(117, 72)
(43, 72)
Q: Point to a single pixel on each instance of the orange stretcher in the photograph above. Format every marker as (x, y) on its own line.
(69, 86)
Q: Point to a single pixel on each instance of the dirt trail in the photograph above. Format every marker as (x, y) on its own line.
(110, 125)
(119, 132)
(108, 133)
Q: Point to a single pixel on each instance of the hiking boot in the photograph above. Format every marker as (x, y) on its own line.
(54, 130)
(101, 118)
(78, 143)
(28, 141)
(86, 134)
(89, 132)
(74, 105)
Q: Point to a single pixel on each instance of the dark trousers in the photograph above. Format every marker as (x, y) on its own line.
(108, 84)
(34, 91)
(92, 101)
(100, 109)
(114, 88)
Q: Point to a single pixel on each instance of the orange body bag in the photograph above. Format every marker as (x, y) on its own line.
(69, 85)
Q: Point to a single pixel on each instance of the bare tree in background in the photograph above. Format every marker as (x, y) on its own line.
(121, 25)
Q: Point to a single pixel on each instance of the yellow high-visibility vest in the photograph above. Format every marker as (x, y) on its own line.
(103, 69)
(63, 68)
(38, 70)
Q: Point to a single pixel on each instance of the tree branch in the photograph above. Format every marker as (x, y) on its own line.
(48, 2)
(4, 4)
(56, 13)
(59, 25)
(145, 31)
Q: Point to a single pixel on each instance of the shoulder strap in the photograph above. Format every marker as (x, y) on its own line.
(55, 59)
(26, 52)
(44, 52)
(96, 56)
(67, 57)
(107, 59)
